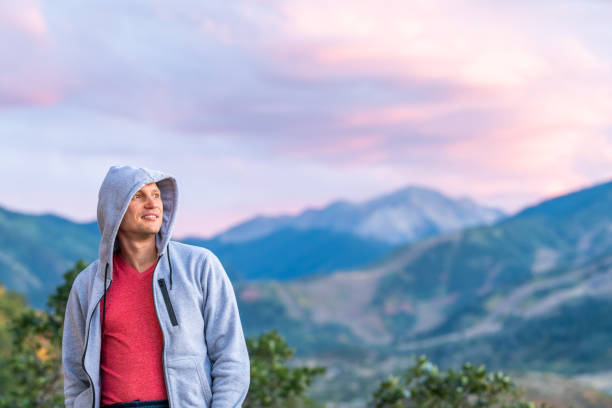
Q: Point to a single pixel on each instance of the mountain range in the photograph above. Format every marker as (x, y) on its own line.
(36, 250)
(529, 292)
(402, 216)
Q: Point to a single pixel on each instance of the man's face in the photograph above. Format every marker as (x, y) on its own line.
(145, 212)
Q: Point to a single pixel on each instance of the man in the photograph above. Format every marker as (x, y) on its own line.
(152, 322)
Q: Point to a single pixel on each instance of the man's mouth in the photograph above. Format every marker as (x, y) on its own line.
(150, 217)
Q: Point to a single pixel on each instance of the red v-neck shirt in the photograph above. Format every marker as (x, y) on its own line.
(131, 354)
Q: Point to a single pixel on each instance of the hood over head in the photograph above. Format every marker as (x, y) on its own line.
(116, 191)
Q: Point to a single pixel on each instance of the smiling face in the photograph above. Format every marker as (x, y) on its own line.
(144, 214)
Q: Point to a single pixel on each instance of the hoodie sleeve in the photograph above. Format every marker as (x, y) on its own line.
(73, 343)
(230, 367)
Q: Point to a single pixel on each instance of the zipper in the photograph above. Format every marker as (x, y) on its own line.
(163, 357)
(164, 289)
(93, 388)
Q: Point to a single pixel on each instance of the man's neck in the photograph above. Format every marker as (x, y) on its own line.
(140, 253)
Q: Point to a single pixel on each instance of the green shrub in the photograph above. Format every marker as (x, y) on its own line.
(424, 386)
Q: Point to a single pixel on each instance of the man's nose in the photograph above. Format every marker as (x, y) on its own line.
(150, 202)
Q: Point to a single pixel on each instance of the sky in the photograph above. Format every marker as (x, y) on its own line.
(272, 107)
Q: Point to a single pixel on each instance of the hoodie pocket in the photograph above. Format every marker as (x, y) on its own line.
(166, 295)
(187, 384)
(204, 381)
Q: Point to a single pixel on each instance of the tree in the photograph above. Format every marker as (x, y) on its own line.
(273, 383)
(424, 386)
(12, 305)
(34, 365)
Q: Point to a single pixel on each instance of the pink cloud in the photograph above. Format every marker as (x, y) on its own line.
(548, 87)
(30, 97)
(40, 90)
(438, 92)
(413, 113)
(409, 41)
(27, 17)
(29, 74)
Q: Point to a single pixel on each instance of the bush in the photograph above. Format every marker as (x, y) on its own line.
(424, 386)
(273, 383)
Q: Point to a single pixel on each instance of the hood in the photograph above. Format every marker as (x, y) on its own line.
(116, 191)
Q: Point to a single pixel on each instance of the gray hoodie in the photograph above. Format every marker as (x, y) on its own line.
(205, 359)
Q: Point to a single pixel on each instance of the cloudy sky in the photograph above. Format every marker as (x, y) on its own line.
(268, 107)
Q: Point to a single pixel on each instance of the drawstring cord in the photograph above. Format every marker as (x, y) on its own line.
(169, 265)
(104, 307)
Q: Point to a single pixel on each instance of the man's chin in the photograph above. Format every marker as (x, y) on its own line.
(141, 232)
(154, 231)
(147, 231)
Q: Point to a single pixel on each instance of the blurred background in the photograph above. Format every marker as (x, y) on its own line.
(380, 180)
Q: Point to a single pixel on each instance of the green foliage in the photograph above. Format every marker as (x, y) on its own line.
(58, 300)
(273, 383)
(32, 371)
(12, 305)
(424, 386)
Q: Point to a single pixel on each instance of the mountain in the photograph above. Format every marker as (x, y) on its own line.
(403, 216)
(558, 239)
(530, 292)
(35, 250)
(289, 253)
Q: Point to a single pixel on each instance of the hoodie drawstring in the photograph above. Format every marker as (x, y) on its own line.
(169, 265)
(104, 307)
